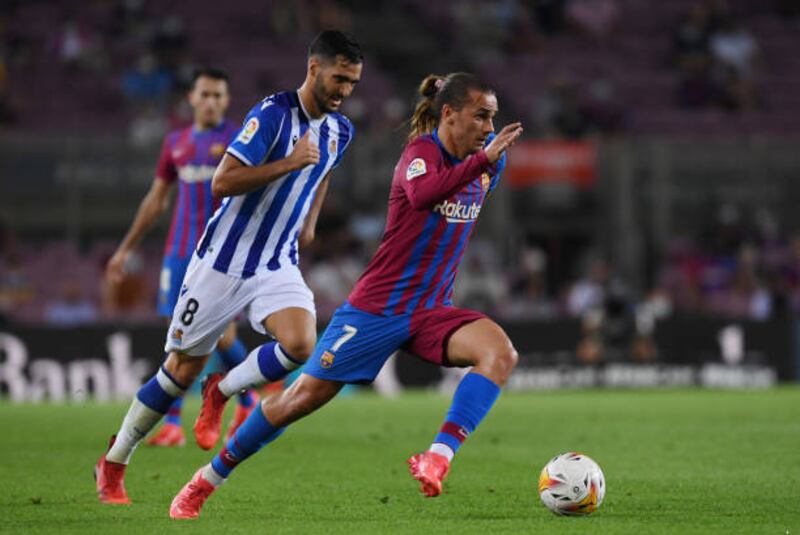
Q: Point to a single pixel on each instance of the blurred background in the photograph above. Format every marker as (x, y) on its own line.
(649, 216)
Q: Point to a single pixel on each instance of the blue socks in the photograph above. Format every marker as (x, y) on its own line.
(275, 363)
(473, 399)
(255, 433)
(231, 357)
(174, 412)
(160, 391)
(152, 401)
(234, 355)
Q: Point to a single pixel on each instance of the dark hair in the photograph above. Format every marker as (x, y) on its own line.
(435, 91)
(208, 72)
(332, 43)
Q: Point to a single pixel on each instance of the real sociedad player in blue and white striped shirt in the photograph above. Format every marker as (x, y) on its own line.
(259, 230)
(273, 178)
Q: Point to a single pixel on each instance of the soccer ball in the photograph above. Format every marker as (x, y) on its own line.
(572, 484)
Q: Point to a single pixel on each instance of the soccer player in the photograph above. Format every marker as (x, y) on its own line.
(188, 158)
(403, 299)
(273, 176)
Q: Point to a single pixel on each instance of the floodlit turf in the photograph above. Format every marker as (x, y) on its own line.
(675, 462)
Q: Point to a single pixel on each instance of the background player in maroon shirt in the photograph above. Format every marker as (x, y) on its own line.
(403, 299)
(189, 157)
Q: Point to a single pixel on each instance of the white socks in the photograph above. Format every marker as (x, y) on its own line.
(211, 475)
(266, 363)
(245, 375)
(137, 423)
(148, 407)
(442, 449)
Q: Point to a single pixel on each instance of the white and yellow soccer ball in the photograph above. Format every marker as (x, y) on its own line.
(572, 484)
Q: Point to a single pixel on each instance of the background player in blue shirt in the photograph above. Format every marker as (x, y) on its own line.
(273, 179)
(189, 157)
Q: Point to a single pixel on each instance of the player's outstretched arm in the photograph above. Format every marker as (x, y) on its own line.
(154, 203)
(310, 225)
(233, 177)
(429, 180)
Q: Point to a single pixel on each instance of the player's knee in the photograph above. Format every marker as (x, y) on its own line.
(501, 360)
(228, 338)
(299, 344)
(184, 368)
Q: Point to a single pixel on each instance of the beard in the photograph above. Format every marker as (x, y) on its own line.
(321, 96)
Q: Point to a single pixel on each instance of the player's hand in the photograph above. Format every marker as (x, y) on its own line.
(115, 269)
(507, 136)
(304, 152)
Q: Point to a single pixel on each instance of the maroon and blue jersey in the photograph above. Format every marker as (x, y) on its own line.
(434, 203)
(190, 157)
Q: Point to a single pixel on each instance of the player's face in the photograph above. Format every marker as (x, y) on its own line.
(209, 99)
(472, 124)
(334, 82)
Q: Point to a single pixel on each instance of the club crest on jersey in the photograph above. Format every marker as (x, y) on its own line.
(486, 181)
(326, 360)
(248, 131)
(216, 150)
(416, 168)
(332, 145)
(177, 336)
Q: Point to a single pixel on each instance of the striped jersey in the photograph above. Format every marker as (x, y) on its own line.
(258, 231)
(434, 203)
(190, 157)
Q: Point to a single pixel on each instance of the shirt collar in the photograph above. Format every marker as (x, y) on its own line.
(453, 160)
(305, 112)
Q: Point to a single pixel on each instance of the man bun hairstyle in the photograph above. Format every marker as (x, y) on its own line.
(435, 91)
(331, 43)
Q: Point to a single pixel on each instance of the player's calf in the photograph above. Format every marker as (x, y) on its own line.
(306, 395)
(485, 346)
(267, 363)
(150, 404)
(264, 425)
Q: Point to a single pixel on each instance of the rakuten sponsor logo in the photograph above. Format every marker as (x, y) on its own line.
(196, 173)
(455, 212)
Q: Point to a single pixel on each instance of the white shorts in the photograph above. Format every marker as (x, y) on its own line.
(210, 300)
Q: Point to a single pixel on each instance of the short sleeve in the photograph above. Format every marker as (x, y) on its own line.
(165, 169)
(258, 134)
(346, 135)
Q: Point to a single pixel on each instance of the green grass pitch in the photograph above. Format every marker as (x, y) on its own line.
(684, 461)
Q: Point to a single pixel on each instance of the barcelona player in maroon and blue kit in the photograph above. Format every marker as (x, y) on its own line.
(403, 300)
(188, 159)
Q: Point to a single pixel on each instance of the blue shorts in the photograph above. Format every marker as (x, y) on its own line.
(356, 344)
(169, 286)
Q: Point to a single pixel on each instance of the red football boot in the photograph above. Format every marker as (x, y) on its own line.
(429, 469)
(241, 414)
(188, 502)
(208, 426)
(168, 436)
(110, 479)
